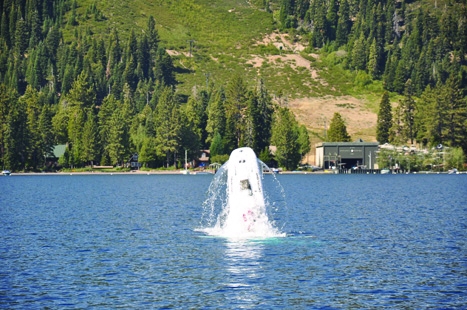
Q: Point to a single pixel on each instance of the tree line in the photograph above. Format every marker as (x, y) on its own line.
(437, 119)
(108, 99)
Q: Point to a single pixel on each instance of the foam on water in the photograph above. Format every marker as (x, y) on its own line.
(236, 207)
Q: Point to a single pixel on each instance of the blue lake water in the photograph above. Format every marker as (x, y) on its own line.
(133, 242)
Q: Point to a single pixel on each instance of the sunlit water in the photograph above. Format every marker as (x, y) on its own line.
(136, 242)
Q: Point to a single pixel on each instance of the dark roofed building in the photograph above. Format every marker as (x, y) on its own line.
(347, 155)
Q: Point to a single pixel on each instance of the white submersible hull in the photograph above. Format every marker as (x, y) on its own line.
(245, 191)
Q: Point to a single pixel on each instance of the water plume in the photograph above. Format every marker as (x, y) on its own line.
(236, 206)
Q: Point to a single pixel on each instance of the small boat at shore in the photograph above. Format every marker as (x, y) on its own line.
(6, 172)
(453, 171)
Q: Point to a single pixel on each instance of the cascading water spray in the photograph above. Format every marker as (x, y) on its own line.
(236, 195)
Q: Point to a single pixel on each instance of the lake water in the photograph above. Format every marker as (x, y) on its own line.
(134, 242)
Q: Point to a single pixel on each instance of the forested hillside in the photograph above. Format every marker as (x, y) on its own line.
(113, 79)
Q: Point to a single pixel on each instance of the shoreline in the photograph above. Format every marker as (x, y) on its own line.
(206, 172)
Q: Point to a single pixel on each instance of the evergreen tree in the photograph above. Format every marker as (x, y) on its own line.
(372, 66)
(331, 19)
(46, 131)
(344, 23)
(320, 25)
(303, 140)
(167, 123)
(216, 121)
(164, 70)
(153, 35)
(35, 155)
(260, 113)
(396, 133)
(8, 99)
(16, 137)
(109, 105)
(90, 138)
(285, 136)
(424, 116)
(196, 112)
(384, 122)
(359, 54)
(408, 105)
(337, 130)
(217, 146)
(21, 38)
(118, 147)
(189, 140)
(236, 109)
(455, 105)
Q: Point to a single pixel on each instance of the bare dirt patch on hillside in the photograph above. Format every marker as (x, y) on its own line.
(316, 113)
(290, 55)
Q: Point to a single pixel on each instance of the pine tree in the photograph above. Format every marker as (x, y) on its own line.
(408, 105)
(260, 113)
(167, 125)
(89, 139)
(109, 105)
(372, 66)
(21, 37)
(164, 70)
(359, 54)
(16, 137)
(153, 35)
(118, 146)
(337, 130)
(285, 136)
(34, 140)
(216, 121)
(384, 122)
(320, 26)
(46, 131)
(303, 140)
(455, 105)
(8, 99)
(236, 108)
(396, 133)
(344, 24)
(217, 146)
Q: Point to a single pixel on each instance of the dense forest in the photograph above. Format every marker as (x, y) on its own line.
(107, 98)
(417, 48)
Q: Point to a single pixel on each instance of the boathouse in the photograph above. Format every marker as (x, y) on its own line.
(347, 155)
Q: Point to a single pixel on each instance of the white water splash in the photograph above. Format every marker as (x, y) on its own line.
(236, 207)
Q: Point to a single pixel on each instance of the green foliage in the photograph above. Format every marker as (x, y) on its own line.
(285, 136)
(337, 130)
(84, 73)
(384, 122)
(221, 159)
(217, 147)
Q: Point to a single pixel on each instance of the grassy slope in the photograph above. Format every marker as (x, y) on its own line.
(226, 35)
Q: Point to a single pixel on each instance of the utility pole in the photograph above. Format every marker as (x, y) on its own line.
(191, 46)
(207, 75)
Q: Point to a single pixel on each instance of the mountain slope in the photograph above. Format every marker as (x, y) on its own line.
(209, 42)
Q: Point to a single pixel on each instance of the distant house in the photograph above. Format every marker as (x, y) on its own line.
(133, 162)
(51, 160)
(203, 160)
